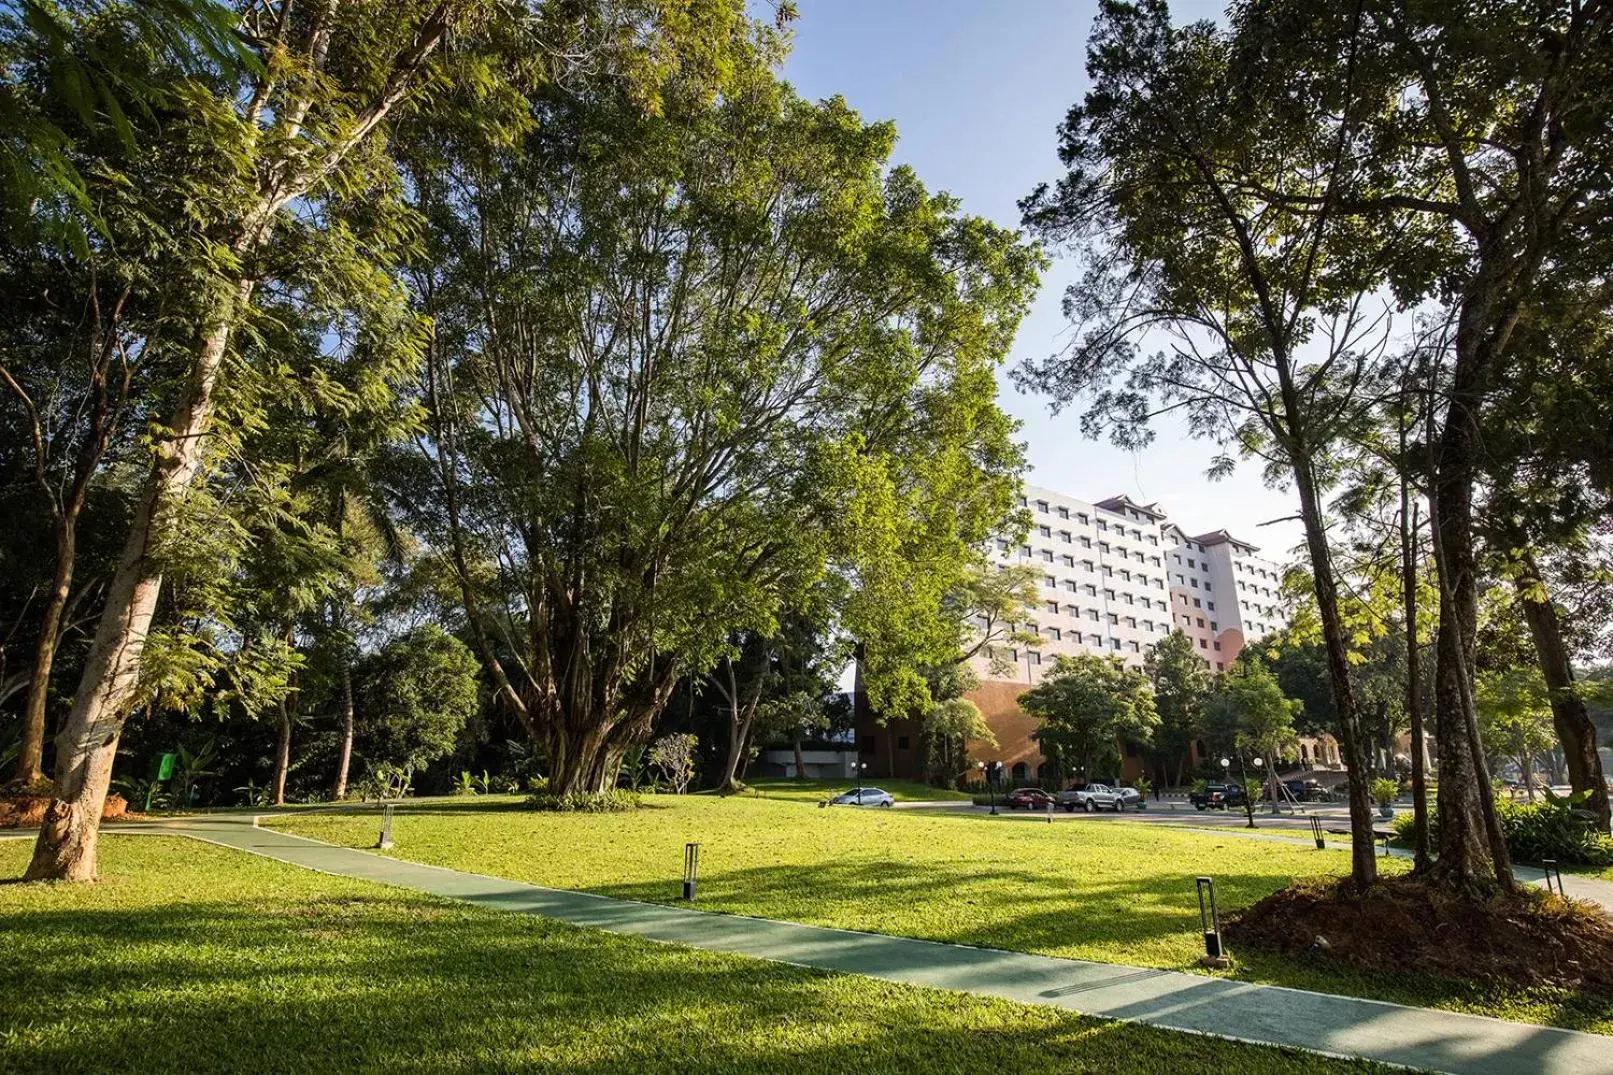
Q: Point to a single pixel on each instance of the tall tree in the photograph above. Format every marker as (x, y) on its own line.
(690, 363)
(279, 141)
(1263, 312)
(1179, 679)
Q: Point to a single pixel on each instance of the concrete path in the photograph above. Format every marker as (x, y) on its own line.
(1340, 1026)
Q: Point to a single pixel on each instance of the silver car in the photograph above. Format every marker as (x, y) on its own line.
(1095, 797)
(863, 797)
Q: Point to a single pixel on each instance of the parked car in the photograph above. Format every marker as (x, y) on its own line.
(863, 797)
(1094, 797)
(1217, 797)
(1028, 799)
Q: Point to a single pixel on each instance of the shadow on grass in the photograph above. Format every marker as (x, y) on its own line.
(372, 983)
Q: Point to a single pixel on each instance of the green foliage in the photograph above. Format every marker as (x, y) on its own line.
(1247, 711)
(1179, 679)
(610, 801)
(415, 694)
(1549, 829)
(947, 731)
(807, 420)
(464, 783)
(1385, 791)
(1090, 705)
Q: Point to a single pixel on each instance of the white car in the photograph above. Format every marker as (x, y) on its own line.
(863, 797)
(1095, 797)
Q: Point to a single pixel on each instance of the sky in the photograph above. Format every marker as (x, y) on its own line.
(976, 89)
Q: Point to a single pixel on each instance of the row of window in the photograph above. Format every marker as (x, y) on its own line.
(1034, 659)
(1108, 595)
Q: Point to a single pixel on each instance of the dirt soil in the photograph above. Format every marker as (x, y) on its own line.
(25, 809)
(1400, 925)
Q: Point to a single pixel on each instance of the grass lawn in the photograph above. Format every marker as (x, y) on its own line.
(813, 790)
(193, 958)
(1107, 891)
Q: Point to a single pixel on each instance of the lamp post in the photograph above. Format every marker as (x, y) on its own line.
(991, 786)
(1248, 803)
(859, 770)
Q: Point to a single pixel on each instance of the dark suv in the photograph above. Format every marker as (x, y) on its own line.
(1217, 797)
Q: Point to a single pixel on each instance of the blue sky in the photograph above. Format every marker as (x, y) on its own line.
(976, 89)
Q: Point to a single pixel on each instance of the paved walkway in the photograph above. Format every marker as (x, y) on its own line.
(1341, 1026)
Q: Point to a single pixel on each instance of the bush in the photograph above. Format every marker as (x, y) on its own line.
(1385, 791)
(1536, 831)
(601, 802)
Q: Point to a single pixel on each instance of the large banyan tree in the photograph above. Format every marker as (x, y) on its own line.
(700, 357)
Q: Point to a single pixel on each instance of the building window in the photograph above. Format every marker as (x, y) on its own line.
(1024, 550)
(1033, 657)
(1108, 595)
(1195, 583)
(1092, 614)
(1064, 513)
(1210, 605)
(1047, 557)
(1013, 656)
(1067, 561)
(901, 742)
(1135, 648)
(1114, 619)
(1201, 621)
(1196, 603)
(1207, 586)
(1094, 639)
(1203, 644)
(1019, 770)
(1218, 647)
(1053, 606)
(1055, 635)
(1083, 517)
(1215, 627)
(1045, 531)
(1041, 506)
(1065, 536)
(1114, 643)
(1220, 666)
(1190, 562)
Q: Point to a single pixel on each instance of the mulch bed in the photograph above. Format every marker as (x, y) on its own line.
(1401, 925)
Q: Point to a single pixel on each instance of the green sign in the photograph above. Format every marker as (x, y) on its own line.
(162, 767)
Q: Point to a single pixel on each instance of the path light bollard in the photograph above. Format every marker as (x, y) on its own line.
(385, 842)
(1549, 866)
(1316, 833)
(691, 869)
(1050, 811)
(1215, 953)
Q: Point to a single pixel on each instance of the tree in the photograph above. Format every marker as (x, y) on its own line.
(673, 757)
(948, 730)
(1248, 708)
(1179, 679)
(415, 695)
(1265, 307)
(1515, 707)
(691, 364)
(292, 130)
(1474, 170)
(1090, 706)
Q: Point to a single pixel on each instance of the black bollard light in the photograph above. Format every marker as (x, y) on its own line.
(1316, 833)
(385, 842)
(1210, 922)
(691, 870)
(1549, 866)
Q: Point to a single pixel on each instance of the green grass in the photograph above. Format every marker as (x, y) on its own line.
(813, 790)
(1108, 891)
(196, 959)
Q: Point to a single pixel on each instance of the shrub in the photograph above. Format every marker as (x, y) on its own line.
(1550, 830)
(600, 802)
(1385, 791)
(1536, 831)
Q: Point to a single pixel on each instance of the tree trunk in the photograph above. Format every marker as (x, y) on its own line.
(282, 758)
(1572, 721)
(1414, 709)
(88, 739)
(31, 759)
(1473, 858)
(1363, 852)
(344, 759)
(800, 759)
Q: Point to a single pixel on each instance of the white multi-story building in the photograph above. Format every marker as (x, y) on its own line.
(1118, 576)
